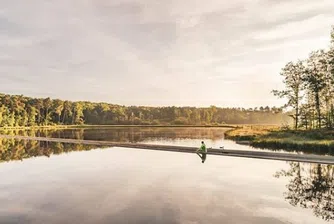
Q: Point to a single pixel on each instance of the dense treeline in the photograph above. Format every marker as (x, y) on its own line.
(309, 88)
(18, 110)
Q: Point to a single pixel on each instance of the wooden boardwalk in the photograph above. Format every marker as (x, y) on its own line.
(217, 152)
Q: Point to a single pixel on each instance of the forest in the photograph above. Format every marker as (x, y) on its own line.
(309, 89)
(18, 111)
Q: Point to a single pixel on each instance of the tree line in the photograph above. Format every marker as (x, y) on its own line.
(19, 110)
(309, 89)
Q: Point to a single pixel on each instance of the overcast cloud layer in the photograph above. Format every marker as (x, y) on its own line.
(148, 52)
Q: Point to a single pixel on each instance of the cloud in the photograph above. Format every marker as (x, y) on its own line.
(155, 52)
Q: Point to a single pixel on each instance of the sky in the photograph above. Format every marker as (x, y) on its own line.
(157, 53)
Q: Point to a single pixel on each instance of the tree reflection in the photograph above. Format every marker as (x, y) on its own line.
(14, 149)
(311, 186)
(124, 134)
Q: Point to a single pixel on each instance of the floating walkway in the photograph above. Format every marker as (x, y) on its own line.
(217, 152)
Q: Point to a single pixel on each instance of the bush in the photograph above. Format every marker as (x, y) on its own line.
(181, 121)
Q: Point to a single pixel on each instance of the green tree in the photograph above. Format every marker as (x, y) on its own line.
(2, 114)
(47, 104)
(32, 112)
(77, 113)
(67, 111)
(293, 75)
(57, 107)
(330, 55)
(38, 104)
(315, 78)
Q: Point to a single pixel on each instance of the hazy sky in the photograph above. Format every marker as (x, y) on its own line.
(150, 52)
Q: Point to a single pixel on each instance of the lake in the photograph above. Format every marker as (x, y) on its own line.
(213, 137)
(44, 182)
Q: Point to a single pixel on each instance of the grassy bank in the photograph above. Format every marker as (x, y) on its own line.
(250, 132)
(271, 137)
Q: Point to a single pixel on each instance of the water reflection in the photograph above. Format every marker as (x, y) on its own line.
(13, 149)
(319, 150)
(214, 137)
(154, 187)
(203, 156)
(311, 186)
(125, 134)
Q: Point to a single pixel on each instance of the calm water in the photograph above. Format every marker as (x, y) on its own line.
(64, 183)
(213, 137)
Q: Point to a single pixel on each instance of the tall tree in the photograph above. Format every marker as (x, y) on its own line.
(38, 104)
(330, 62)
(293, 75)
(32, 112)
(67, 111)
(2, 114)
(47, 104)
(58, 107)
(77, 117)
(315, 78)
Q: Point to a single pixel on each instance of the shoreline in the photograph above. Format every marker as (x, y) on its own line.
(320, 141)
(230, 126)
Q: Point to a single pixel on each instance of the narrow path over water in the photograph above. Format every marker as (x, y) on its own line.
(217, 152)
